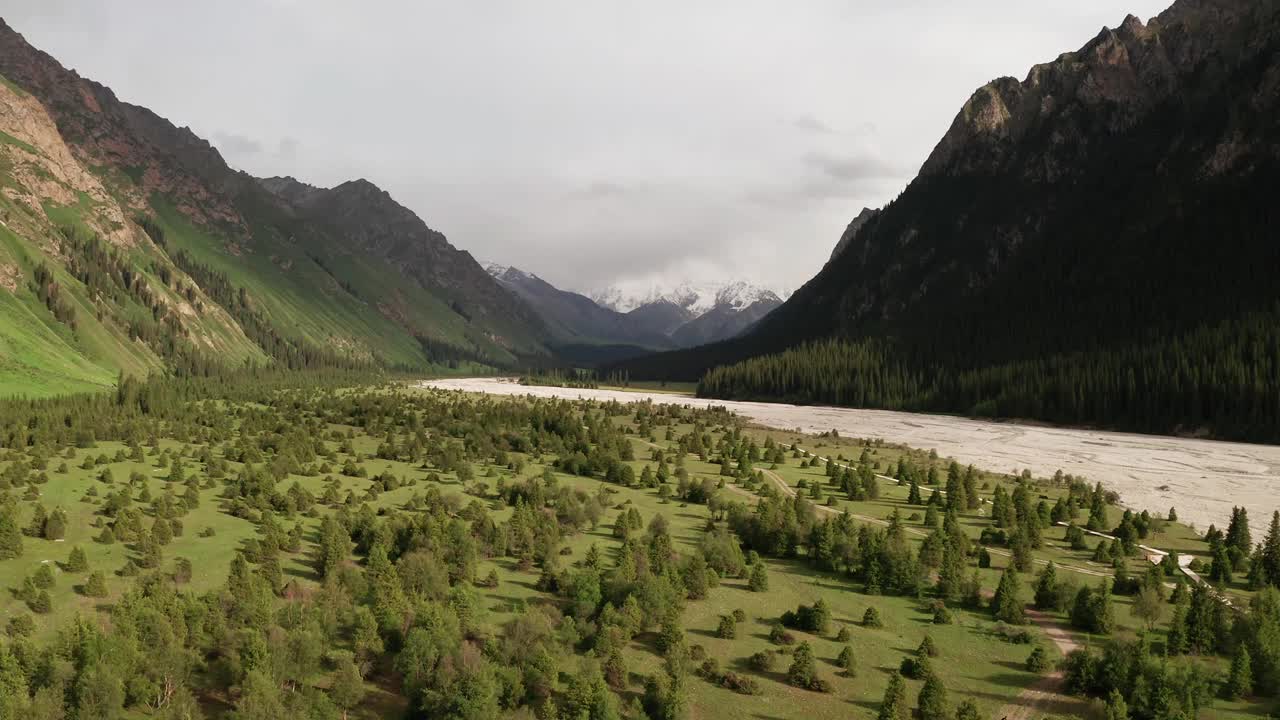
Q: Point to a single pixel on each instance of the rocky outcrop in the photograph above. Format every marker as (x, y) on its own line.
(849, 232)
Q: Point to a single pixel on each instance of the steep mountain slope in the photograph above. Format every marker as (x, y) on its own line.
(722, 322)
(660, 316)
(574, 318)
(69, 318)
(1095, 243)
(229, 268)
(851, 231)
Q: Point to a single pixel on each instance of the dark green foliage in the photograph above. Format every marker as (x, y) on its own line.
(871, 618)
(1038, 660)
(894, 705)
(1006, 604)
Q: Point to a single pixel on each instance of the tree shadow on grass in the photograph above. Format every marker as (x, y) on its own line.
(1019, 680)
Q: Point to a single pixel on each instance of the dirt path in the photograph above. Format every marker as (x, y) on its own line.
(1044, 696)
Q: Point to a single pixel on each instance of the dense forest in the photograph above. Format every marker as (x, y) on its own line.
(1224, 379)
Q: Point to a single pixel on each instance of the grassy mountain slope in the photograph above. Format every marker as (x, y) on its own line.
(228, 268)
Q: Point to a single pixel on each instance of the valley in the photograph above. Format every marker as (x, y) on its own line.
(272, 445)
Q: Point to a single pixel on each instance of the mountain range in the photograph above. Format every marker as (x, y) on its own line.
(682, 316)
(1095, 243)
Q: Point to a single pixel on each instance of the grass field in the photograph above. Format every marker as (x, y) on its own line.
(976, 662)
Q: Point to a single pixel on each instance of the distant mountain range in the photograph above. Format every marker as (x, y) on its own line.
(681, 316)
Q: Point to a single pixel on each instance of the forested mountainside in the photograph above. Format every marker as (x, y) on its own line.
(129, 245)
(1094, 244)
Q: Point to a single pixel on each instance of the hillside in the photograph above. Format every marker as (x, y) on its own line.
(1093, 244)
(130, 245)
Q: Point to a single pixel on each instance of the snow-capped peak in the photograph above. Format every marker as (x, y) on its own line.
(697, 298)
(507, 272)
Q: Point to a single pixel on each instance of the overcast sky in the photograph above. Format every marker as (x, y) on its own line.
(590, 142)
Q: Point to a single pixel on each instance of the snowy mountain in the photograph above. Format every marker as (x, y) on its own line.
(646, 316)
(697, 298)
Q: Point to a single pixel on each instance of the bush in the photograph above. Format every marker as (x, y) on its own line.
(41, 603)
(916, 668)
(871, 618)
(844, 635)
(728, 628)
(742, 684)
(779, 636)
(762, 661)
(846, 661)
(1038, 661)
(21, 625)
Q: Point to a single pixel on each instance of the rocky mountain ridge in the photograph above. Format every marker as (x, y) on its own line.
(680, 316)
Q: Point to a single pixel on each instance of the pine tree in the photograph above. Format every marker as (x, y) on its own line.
(1006, 604)
(894, 704)
(10, 532)
(96, 586)
(77, 561)
(846, 661)
(803, 669)
(1117, 708)
(1271, 551)
(759, 580)
(1240, 680)
(347, 687)
(932, 702)
(1047, 589)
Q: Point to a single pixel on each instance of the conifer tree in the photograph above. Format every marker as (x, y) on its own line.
(894, 704)
(1006, 604)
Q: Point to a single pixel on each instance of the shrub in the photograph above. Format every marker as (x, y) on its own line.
(871, 618)
(1038, 661)
(728, 628)
(846, 661)
(762, 661)
(21, 625)
(742, 684)
(779, 636)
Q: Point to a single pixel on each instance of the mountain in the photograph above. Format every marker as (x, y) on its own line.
(724, 320)
(653, 316)
(697, 298)
(852, 230)
(574, 318)
(691, 313)
(129, 245)
(1095, 243)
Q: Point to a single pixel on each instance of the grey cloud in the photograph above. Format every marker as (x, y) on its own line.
(812, 124)
(234, 144)
(845, 167)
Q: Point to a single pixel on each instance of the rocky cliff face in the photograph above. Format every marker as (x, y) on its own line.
(1065, 177)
